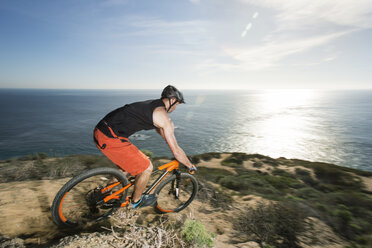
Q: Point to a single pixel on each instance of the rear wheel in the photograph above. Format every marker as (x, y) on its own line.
(80, 200)
(175, 193)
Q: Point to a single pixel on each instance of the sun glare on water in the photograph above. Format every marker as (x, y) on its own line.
(278, 126)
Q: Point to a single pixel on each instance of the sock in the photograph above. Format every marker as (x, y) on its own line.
(134, 204)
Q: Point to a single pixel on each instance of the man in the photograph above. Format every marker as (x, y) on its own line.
(112, 132)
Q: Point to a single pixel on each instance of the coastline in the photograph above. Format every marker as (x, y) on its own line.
(231, 185)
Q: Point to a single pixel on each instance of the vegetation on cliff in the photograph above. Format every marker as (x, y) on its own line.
(296, 200)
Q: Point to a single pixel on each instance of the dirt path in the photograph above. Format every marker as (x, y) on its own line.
(25, 209)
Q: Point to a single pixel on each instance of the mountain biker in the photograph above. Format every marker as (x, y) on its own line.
(112, 132)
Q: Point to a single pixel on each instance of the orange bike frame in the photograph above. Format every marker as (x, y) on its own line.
(174, 165)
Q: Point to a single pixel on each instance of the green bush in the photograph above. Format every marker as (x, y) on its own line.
(195, 159)
(283, 183)
(148, 153)
(194, 233)
(314, 165)
(234, 182)
(279, 172)
(212, 174)
(308, 180)
(42, 155)
(257, 164)
(235, 159)
(344, 215)
(302, 172)
(307, 193)
(232, 161)
(205, 156)
(208, 156)
(326, 187)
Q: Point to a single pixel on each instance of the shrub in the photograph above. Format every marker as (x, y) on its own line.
(257, 164)
(208, 156)
(216, 197)
(279, 172)
(148, 153)
(307, 193)
(325, 187)
(276, 224)
(194, 233)
(195, 159)
(322, 207)
(302, 172)
(205, 156)
(36, 156)
(236, 158)
(212, 174)
(308, 180)
(344, 215)
(233, 182)
(42, 155)
(283, 183)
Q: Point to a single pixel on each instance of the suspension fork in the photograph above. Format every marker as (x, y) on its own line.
(178, 179)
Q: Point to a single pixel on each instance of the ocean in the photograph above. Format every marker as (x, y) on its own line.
(324, 126)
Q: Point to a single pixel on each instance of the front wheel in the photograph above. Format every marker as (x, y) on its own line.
(175, 193)
(80, 200)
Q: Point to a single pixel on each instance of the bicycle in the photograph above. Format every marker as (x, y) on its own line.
(97, 193)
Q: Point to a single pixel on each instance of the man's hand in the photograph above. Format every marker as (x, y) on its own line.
(192, 169)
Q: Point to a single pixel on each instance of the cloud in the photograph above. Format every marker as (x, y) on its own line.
(267, 55)
(300, 25)
(300, 13)
(270, 53)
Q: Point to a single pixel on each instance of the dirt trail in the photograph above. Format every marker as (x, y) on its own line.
(25, 209)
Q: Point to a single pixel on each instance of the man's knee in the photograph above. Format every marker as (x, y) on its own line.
(150, 168)
(147, 171)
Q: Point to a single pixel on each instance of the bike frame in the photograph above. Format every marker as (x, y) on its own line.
(174, 165)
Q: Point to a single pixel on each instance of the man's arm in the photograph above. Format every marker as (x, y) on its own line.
(166, 129)
(160, 132)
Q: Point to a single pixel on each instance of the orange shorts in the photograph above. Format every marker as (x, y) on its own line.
(123, 154)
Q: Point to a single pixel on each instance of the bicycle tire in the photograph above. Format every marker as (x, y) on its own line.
(188, 188)
(61, 205)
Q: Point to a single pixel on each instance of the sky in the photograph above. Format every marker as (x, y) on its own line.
(192, 44)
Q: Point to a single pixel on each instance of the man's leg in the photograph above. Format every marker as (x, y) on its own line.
(141, 182)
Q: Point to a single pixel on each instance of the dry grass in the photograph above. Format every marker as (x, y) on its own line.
(125, 232)
(130, 234)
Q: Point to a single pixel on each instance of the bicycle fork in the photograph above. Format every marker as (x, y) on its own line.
(173, 190)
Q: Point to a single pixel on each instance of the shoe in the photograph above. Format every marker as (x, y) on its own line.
(146, 200)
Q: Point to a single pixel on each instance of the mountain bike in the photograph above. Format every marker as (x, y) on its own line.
(97, 193)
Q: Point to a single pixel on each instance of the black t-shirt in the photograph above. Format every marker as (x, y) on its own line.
(131, 118)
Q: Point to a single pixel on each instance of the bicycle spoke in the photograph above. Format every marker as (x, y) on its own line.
(80, 203)
(172, 198)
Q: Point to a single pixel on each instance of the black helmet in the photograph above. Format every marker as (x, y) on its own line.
(171, 91)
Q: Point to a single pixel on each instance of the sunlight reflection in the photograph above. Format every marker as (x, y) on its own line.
(279, 125)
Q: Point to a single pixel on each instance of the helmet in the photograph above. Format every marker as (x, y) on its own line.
(171, 91)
